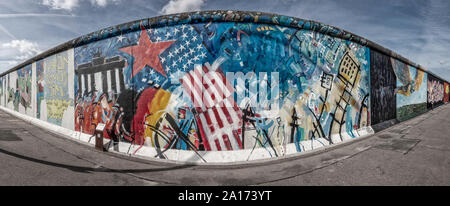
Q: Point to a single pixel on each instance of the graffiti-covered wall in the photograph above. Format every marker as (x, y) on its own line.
(19, 91)
(54, 89)
(2, 87)
(217, 86)
(435, 92)
(219, 91)
(101, 96)
(1, 91)
(446, 92)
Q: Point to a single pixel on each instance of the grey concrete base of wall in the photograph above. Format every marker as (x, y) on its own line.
(384, 125)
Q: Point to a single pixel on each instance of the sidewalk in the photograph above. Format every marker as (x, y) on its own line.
(415, 152)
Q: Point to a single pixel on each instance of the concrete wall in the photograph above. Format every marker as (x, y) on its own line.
(435, 92)
(446, 92)
(218, 90)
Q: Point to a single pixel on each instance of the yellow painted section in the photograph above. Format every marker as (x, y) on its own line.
(419, 79)
(156, 108)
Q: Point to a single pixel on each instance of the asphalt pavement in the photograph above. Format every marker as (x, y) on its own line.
(414, 152)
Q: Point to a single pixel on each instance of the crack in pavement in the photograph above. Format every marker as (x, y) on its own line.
(410, 149)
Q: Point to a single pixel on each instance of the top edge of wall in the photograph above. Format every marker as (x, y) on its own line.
(215, 16)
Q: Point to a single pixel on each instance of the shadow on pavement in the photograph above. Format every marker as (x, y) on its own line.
(90, 169)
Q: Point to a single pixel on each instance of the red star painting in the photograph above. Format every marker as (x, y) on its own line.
(147, 53)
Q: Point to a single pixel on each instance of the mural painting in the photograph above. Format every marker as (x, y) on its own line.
(103, 88)
(1, 91)
(53, 100)
(383, 84)
(19, 90)
(3, 96)
(411, 90)
(435, 92)
(216, 86)
(4, 90)
(446, 92)
(221, 86)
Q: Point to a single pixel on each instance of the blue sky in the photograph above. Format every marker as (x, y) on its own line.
(416, 29)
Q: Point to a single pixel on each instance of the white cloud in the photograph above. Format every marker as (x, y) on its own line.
(4, 16)
(61, 4)
(103, 3)
(22, 49)
(178, 6)
(15, 52)
(71, 4)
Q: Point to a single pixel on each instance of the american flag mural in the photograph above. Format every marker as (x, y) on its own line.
(169, 87)
(219, 117)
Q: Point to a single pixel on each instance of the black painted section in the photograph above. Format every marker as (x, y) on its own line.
(94, 68)
(382, 86)
(384, 125)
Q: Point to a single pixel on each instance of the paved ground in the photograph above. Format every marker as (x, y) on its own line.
(415, 152)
